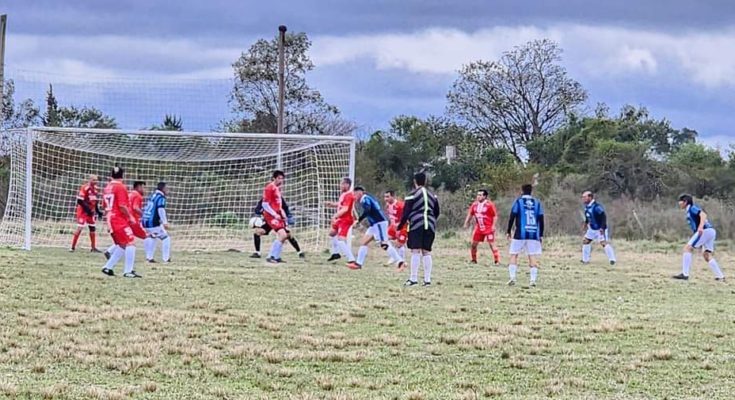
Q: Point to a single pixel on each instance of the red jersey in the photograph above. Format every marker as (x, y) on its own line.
(89, 195)
(394, 211)
(136, 203)
(484, 214)
(272, 196)
(116, 195)
(346, 199)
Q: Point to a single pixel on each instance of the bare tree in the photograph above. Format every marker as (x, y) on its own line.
(523, 96)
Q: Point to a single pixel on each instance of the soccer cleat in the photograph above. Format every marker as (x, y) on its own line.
(255, 255)
(497, 263)
(426, 284)
(95, 250)
(612, 262)
(302, 255)
(271, 260)
(167, 261)
(280, 261)
(401, 266)
(410, 283)
(132, 274)
(473, 261)
(334, 257)
(107, 255)
(353, 265)
(108, 272)
(71, 250)
(720, 279)
(512, 282)
(681, 276)
(151, 261)
(532, 283)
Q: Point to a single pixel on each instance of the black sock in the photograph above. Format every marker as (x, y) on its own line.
(256, 242)
(295, 244)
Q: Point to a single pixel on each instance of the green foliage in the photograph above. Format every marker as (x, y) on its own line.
(74, 117)
(170, 123)
(227, 219)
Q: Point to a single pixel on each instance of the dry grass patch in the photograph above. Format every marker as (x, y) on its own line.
(482, 341)
(325, 383)
(97, 393)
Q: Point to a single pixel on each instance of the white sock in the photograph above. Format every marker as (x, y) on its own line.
(428, 263)
(116, 254)
(166, 248)
(415, 261)
(335, 245)
(610, 252)
(686, 263)
(129, 259)
(715, 268)
(361, 254)
(402, 252)
(275, 249)
(586, 252)
(346, 250)
(111, 248)
(534, 274)
(512, 269)
(150, 248)
(393, 254)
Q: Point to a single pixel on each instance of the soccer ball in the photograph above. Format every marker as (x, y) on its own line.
(256, 222)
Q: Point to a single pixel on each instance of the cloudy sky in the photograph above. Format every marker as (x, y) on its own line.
(375, 59)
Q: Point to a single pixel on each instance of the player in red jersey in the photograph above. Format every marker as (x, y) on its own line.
(87, 211)
(275, 216)
(485, 214)
(136, 205)
(394, 211)
(342, 222)
(119, 219)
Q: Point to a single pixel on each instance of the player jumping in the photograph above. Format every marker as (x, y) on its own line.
(704, 237)
(485, 214)
(87, 212)
(342, 222)
(155, 222)
(119, 220)
(595, 227)
(378, 229)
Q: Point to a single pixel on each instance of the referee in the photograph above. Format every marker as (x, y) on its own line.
(420, 211)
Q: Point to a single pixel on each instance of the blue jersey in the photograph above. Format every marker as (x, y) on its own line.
(151, 217)
(594, 216)
(528, 215)
(693, 218)
(371, 210)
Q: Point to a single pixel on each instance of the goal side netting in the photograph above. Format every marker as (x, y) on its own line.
(214, 179)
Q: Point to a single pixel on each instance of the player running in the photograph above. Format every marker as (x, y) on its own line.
(136, 204)
(394, 211)
(527, 215)
(595, 227)
(155, 222)
(260, 228)
(704, 237)
(342, 222)
(87, 212)
(420, 213)
(119, 219)
(485, 215)
(274, 215)
(378, 229)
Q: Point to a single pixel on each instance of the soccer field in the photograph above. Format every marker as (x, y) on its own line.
(223, 326)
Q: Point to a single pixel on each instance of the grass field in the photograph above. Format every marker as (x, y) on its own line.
(222, 326)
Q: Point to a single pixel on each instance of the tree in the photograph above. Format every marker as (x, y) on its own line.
(51, 117)
(523, 96)
(170, 123)
(73, 117)
(254, 97)
(20, 115)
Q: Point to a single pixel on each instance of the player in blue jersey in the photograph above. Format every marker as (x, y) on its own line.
(155, 222)
(704, 237)
(595, 228)
(527, 217)
(378, 230)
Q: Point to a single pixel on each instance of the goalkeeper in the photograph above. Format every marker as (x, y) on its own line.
(261, 228)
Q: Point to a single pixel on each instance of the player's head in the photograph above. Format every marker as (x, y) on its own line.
(389, 196)
(117, 172)
(685, 200)
(94, 180)
(162, 187)
(278, 177)
(527, 189)
(587, 197)
(419, 179)
(345, 185)
(359, 192)
(481, 195)
(139, 186)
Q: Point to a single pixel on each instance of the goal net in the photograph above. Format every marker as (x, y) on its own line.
(214, 181)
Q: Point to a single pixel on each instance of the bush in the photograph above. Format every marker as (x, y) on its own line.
(227, 219)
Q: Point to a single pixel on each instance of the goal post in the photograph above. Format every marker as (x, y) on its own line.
(214, 179)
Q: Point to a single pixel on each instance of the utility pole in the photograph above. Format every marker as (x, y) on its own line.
(3, 23)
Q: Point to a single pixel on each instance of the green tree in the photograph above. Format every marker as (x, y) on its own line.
(700, 170)
(17, 115)
(74, 117)
(51, 117)
(170, 123)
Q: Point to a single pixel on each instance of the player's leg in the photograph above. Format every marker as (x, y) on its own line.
(108, 252)
(343, 233)
(295, 244)
(77, 233)
(686, 258)
(334, 242)
(277, 247)
(516, 246)
(165, 239)
(427, 244)
(149, 244)
(414, 244)
(494, 248)
(363, 250)
(116, 254)
(534, 252)
(586, 250)
(257, 233)
(387, 245)
(93, 236)
(708, 245)
(609, 251)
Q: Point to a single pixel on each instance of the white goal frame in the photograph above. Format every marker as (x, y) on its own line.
(21, 187)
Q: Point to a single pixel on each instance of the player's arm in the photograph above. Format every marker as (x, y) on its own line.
(602, 217)
(366, 208)
(540, 218)
(332, 204)
(84, 205)
(437, 209)
(512, 219)
(702, 220)
(162, 214)
(407, 205)
(469, 218)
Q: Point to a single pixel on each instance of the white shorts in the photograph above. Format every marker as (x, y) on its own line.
(157, 232)
(596, 236)
(531, 247)
(379, 231)
(706, 241)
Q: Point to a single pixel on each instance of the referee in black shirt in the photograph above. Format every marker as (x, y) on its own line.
(420, 211)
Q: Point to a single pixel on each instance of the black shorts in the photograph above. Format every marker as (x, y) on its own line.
(420, 239)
